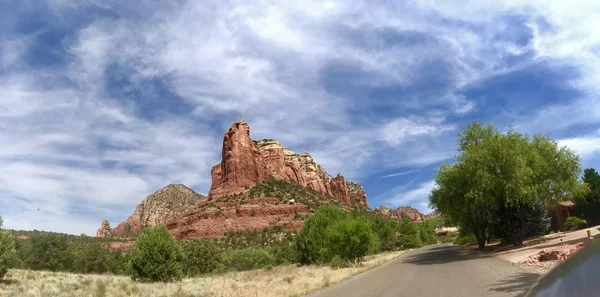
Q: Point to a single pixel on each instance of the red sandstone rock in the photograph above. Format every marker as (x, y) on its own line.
(339, 190)
(242, 165)
(215, 219)
(121, 246)
(246, 162)
(401, 212)
(357, 194)
(549, 257)
(104, 230)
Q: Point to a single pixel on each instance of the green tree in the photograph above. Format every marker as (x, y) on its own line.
(409, 234)
(495, 172)
(7, 250)
(91, 258)
(156, 257)
(351, 239)
(49, 251)
(384, 228)
(427, 231)
(310, 241)
(589, 206)
(200, 257)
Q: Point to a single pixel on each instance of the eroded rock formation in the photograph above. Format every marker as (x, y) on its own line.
(104, 230)
(401, 212)
(213, 219)
(156, 209)
(246, 162)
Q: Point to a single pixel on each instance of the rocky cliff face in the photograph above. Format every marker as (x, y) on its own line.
(401, 212)
(214, 219)
(104, 230)
(246, 162)
(156, 209)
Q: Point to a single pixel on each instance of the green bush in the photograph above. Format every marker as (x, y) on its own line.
(48, 251)
(427, 232)
(384, 228)
(310, 241)
(572, 222)
(448, 238)
(465, 239)
(409, 234)
(247, 259)
(338, 262)
(7, 250)
(155, 257)
(200, 257)
(351, 239)
(332, 232)
(284, 254)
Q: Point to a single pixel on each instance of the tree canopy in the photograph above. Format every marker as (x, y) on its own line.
(496, 175)
(7, 250)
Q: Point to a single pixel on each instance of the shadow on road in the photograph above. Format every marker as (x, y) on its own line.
(519, 284)
(441, 255)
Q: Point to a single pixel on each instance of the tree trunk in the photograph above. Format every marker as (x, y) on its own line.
(481, 242)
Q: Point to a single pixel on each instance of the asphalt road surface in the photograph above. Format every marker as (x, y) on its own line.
(440, 271)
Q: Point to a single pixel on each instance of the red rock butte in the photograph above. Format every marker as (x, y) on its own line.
(246, 162)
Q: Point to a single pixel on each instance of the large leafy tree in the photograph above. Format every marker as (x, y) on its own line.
(589, 206)
(496, 174)
(7, 250)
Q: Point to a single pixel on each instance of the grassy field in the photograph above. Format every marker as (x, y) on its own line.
(279, 281)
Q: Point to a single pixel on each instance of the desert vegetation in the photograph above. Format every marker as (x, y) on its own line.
(286, 280)
(505, 185)
(160, 266)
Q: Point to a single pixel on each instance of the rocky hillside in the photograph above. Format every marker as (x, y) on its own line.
(258, 184)
(246, 162)
(401, 212)
(156, 209)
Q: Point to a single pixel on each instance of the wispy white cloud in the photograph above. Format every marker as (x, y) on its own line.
(417, 196)
(269, 64)
(400, 173)
(584, 146)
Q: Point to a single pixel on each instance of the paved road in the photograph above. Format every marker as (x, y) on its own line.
(440, 271)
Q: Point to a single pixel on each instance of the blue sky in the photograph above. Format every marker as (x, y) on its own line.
(104, 102)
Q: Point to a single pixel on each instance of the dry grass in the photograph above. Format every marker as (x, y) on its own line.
(279, 281)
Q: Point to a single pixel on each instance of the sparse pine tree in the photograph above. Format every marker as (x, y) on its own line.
(7, 250)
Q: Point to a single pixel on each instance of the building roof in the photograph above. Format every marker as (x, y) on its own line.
(566, 203)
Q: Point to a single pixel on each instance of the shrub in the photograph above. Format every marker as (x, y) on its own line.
(351, 239)
(338, 262)
(464, 239)
(284, 254)
(48, 251)
(427, 232)
(7, 250)
(200, 257)
(409, 234)
(247, 259)
(572, 222)
(448, 238)
(155, 257)
(310, 243)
